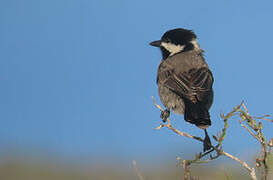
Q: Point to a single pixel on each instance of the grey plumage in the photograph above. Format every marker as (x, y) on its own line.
(173, 96)
(184, 79)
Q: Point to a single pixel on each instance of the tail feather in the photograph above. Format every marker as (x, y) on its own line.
(197, 114)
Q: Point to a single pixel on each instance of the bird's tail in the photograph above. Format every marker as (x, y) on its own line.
(197, 114)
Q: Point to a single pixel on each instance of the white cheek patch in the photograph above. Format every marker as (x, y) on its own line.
(172, 48)
(195, 44)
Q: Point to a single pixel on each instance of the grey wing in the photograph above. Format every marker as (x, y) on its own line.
(193, 85)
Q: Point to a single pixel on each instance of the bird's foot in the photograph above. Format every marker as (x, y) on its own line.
(164, 115)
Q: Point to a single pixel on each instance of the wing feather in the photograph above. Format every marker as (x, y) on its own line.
(193, 85)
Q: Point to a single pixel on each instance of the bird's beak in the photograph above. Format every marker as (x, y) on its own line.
(156, 43)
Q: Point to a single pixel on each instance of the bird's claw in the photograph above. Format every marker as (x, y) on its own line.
(164, 115)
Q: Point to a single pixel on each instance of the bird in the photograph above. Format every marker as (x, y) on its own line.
(184, 79)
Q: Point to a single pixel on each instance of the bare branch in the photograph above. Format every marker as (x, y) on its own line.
(264, 118)
(225, 173)
(168, 125)
(260, 137)
(244, 164)
(250, 132)
(244, 114)
(137, 171)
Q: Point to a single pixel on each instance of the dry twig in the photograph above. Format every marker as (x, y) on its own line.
(137, 171)
(218, 148)
(252, 129)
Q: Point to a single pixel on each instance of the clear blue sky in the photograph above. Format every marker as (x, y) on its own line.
(77, 76)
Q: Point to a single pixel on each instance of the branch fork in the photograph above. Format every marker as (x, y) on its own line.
(218, 149)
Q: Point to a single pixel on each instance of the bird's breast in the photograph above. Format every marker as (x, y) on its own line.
(170, 99)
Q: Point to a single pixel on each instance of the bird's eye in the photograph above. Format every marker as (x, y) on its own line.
(168, 40)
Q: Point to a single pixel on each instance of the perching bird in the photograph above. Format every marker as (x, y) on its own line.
(184, 79)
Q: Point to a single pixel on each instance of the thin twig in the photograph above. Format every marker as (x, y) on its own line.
(225, 173)
(137, 171)
(261, 138)
(244, 106)
(264, 118)
(263, 159)
(168, 125)
(186, 167)
(186, 163)
(250, 132)
(244, 164)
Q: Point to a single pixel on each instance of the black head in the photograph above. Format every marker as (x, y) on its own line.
(175, 41)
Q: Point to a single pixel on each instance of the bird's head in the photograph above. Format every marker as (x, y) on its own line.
(175, 41)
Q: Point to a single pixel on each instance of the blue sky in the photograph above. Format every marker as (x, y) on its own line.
(77, 76)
